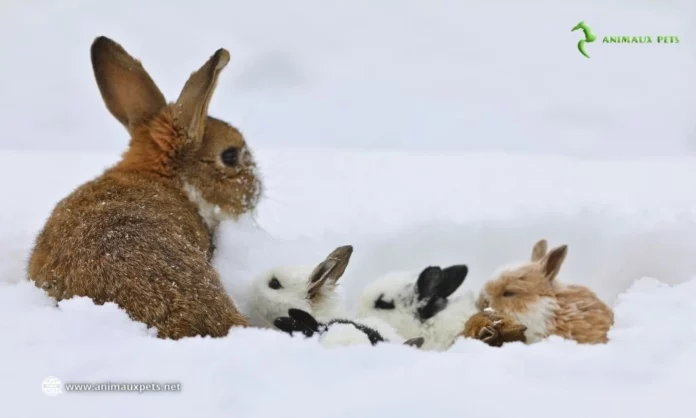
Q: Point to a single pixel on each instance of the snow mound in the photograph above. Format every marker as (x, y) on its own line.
(644, 371)
(618, 228)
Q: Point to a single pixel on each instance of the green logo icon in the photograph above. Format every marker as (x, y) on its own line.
(589, 37)
(620, 39)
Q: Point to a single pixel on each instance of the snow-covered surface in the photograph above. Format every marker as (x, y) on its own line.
(614, 238)
(502, 79)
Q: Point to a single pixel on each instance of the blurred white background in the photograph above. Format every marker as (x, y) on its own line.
(440, 75)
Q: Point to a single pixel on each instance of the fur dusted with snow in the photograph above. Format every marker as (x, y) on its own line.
(494, 328)
(420, 305)
(342, 332)
(140, 234)
(308, 288)
(532, 295)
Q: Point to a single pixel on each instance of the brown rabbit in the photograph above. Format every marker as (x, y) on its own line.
(140, 235)
(493, 328)
(533, 296)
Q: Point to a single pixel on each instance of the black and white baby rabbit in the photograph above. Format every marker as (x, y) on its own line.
(418, 305)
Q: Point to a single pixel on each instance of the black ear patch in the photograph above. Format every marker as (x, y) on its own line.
(436, 282)
(435, 285)
(432, 308)
(428, 281)
(454, 276)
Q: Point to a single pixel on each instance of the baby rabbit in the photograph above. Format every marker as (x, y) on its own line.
(494, 329)
(341, 332)
(140, 234)
(311, 289)
(532, 295)
(420, 306)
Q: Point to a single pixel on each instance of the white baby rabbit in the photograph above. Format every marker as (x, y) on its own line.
(342, 332)
(308, 288)
(419, 305)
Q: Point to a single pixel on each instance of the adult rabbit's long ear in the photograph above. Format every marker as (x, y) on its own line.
(192, 104)
(126, 88)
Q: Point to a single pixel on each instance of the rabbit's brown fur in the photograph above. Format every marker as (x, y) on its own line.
(531, 294)
(140, 235)
(495, 329)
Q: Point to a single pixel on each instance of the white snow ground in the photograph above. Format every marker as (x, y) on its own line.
(477, 108)
(617, 233)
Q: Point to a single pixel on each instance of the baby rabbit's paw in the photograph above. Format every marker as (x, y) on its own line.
(494, 329)
(299, 321)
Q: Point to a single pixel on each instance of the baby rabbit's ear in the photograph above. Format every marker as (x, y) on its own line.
(455, 275)
(539, 250)
(126, 88)
(329, 270)
(192, 104)
(435, 283)
(415, 342)
(553, 260)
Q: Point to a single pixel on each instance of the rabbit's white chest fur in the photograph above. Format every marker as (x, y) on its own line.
(538, 319)
(212, 214)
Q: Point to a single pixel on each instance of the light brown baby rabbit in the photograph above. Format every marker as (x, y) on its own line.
(494, 328)
(533, 296)
(140, 235)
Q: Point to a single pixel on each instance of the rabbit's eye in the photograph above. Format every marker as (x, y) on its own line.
(230, 156)
(383, 304)
(275, 284)
(508, 293)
